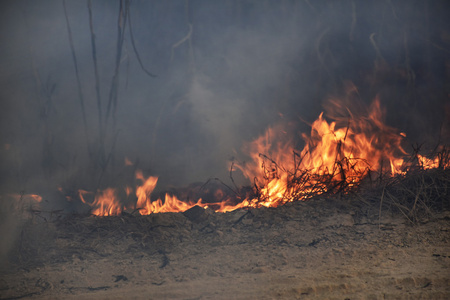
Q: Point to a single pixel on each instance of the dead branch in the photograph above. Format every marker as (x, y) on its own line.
(97, 82)
(135, 49)
(77, 76)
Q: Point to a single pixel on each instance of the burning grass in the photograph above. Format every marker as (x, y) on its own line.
(417, 196)
(354, 153)
(416, 192)
(79, 254)
(337, 157)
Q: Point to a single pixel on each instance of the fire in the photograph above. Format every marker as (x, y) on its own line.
(143, 193)
(337, 156)
(22, 204)
(431, 163)
(334, 158)
(128, 162)
(107, 203)
(32, 197)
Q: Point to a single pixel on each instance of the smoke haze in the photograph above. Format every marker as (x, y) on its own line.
(225, 71)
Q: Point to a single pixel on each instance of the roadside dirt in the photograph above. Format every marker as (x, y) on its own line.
(326, 249)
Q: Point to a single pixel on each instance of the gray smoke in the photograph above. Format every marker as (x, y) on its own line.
(225, 71)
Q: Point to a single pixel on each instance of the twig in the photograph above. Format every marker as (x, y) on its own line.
(97, 82)
(121, 23)
(352, 27)
(381, 204)
(375, 46)
(231, 176)
(184, 39)
(223, 183)
(80, 92)
(135, 49)
(107, 159)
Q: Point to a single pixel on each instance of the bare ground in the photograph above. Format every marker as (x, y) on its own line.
(326, 249)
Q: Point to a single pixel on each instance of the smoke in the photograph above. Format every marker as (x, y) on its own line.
(226, 70)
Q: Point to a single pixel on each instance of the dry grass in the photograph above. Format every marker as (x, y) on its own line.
(416, 193)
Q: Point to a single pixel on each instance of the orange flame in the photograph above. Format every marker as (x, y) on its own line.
(333, 157)
(143, 193)
(28, 198)
(337, 156)
(23, 204)
(428, 163)
(171, 203)
(106, 202)
(128, 162)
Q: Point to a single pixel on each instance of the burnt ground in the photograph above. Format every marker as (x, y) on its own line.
(323, 248)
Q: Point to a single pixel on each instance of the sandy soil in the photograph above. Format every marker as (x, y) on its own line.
(319, 249)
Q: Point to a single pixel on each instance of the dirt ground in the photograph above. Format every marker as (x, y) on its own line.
(326, 249)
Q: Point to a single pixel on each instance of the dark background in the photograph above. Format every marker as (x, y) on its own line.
(244, 66)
